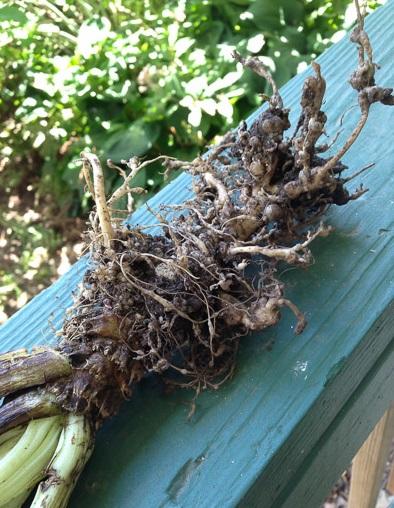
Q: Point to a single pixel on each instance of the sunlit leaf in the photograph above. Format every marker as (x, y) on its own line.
(182, 45)
(225, 108)
(136, 139)
(12, 13)
(266, 15)
(209, 106)
(255, 44)
(196, 85)
(194, 117)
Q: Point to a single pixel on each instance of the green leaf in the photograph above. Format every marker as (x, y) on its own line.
(285, 69)
(296, 40)
(293, 11)
(137, 139)
(240, 2)
(211, 35)
(12, 13)
(266, 15)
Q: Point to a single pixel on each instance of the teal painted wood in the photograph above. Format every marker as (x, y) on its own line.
(343, 438)
(249, 442)
(306, 485)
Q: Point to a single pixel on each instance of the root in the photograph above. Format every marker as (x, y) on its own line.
(135, 167)
(324, 170)
(314, 176)
(298, 254)
(223, 200)
(359, 172)
(259, 68)
(301, 321)
(98, 193)
(178, 301)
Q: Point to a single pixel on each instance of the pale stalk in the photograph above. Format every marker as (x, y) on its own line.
(73, 451)
(9, 444)
(17, 502)
(33, 471)
(10, 434)
(24, 465)
(99, 196)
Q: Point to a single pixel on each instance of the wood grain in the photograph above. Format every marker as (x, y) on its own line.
(369, 463)
(252, 439)
(337, 446)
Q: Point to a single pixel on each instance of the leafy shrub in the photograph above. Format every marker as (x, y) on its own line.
(135, 77)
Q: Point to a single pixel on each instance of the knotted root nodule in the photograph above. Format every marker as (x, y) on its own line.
(177, 302)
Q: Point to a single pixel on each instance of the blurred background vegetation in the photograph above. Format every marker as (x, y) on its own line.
(123, 78)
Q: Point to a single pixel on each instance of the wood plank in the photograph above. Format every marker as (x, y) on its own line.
(336, 448)
(369, 463)
(255, 432)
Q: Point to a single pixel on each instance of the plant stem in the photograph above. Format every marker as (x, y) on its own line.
(74, 449)
(27, 407)
(9, 444)
(15, 432)
(21, 369)
(24, 465)
(17, 502)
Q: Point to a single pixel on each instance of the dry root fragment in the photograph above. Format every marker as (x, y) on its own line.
(98, 193)
(317, 174)
(259, 68)
(298, 254)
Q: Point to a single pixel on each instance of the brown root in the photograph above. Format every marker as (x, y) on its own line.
(178, 302)
(298, 254)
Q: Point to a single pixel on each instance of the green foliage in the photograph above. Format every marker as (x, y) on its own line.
(136, 77)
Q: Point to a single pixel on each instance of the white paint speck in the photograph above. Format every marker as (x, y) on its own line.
(300, 367)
